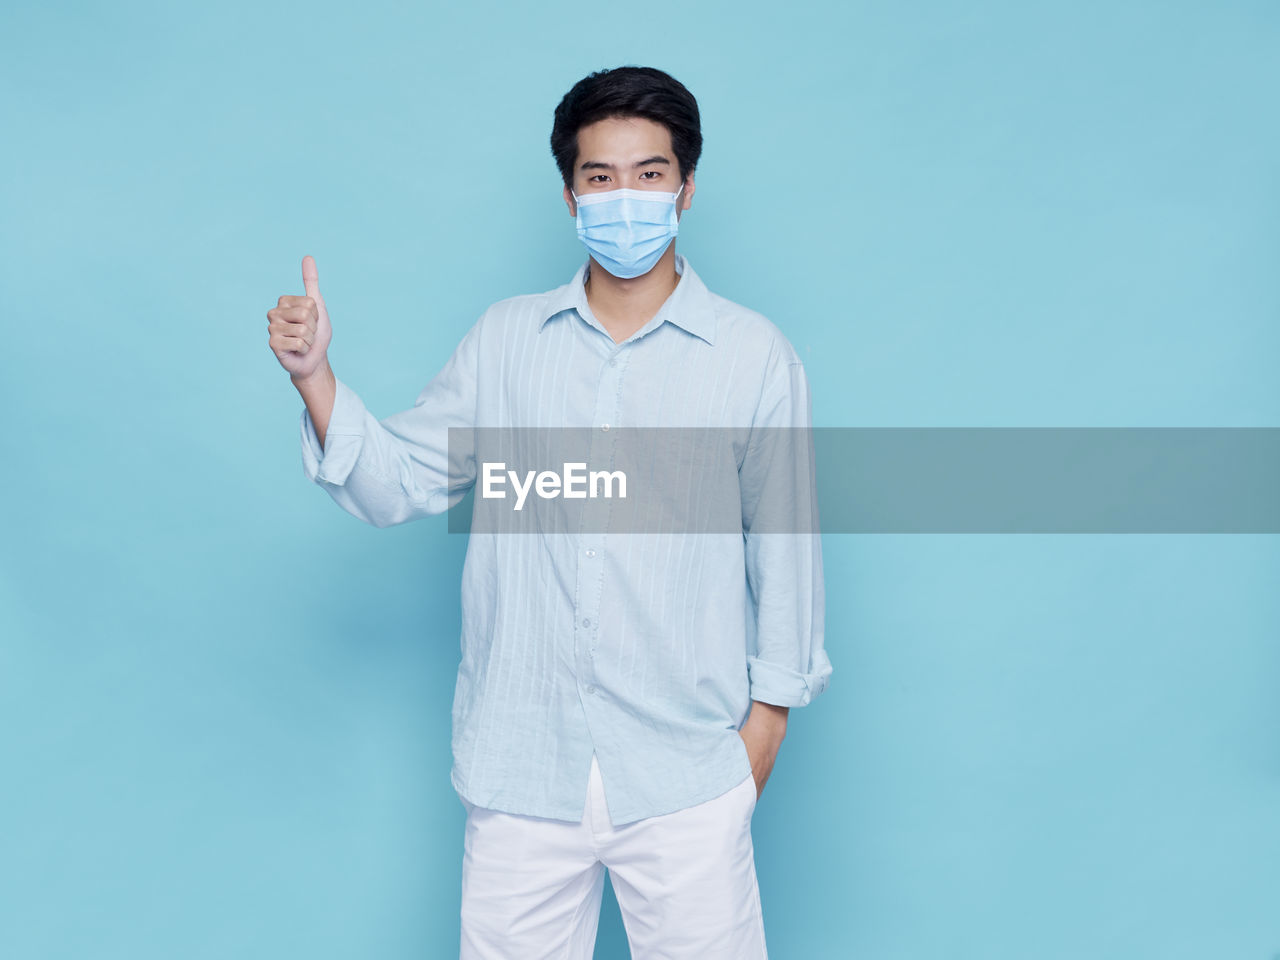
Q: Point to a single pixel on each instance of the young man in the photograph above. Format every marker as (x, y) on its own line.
(598, 715)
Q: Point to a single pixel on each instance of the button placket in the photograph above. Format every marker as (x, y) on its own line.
(590, 572)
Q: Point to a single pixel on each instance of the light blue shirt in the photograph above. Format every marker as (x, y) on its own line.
(645, 648)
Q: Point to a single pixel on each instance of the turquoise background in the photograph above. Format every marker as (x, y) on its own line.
(224, 703)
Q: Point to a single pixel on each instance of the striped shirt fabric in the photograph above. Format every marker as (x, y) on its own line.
(644, 648)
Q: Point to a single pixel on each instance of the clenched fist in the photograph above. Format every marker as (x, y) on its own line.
(299, 327)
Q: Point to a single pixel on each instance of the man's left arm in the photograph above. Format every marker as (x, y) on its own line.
(783, 548)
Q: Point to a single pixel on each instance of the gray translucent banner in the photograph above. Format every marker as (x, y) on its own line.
(867, 480)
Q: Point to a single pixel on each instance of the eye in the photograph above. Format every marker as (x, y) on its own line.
(656, 174)
(598, 178)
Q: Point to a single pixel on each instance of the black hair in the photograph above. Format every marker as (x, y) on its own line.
(628, 92)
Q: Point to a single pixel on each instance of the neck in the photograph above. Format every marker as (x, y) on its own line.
(623, 306)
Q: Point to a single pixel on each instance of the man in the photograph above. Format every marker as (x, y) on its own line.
(598, 715)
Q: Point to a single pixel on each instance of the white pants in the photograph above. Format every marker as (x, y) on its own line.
(686, 881)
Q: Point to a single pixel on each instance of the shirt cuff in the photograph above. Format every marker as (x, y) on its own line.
(332, 462)
(784, 687)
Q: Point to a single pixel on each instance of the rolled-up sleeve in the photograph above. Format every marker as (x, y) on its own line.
(403, 467)
(787, 663)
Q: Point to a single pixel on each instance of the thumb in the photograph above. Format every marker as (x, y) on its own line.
(311, 278)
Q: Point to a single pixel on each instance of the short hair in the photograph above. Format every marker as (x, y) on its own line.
(628, 91)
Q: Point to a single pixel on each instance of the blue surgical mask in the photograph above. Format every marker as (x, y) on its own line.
(627, 230)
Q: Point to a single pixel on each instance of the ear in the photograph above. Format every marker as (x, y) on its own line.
(686, 198)
(568, 199)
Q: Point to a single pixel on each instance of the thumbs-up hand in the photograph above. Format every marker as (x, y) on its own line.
(299, 326)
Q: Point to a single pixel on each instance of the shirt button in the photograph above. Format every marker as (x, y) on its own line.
(612, 362)
(604, 426)
(586, 623)
(591, 689)
(590, 553)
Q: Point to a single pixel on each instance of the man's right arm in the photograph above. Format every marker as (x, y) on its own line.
(381, 471)
(318, 391)
(404, 466)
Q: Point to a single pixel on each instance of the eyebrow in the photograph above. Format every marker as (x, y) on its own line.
(597, 165)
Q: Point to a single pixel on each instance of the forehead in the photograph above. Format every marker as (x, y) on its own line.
(622, 139)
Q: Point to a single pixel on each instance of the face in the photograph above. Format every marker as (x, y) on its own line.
(631, 152)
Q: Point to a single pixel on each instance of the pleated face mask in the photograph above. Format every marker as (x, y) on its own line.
(627, 230)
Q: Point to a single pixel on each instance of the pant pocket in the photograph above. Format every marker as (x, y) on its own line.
(749, 787)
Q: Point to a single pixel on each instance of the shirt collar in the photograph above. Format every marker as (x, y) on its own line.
(689, 307)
